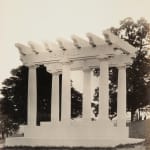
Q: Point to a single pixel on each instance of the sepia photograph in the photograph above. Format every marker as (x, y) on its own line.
(75, 75)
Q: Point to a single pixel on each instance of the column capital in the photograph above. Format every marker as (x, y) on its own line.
(121, 66)
(34, 66)
(103, 58)
(65, 60)
(53, 67)
(86, 68)
(66, 63)
(54, 72)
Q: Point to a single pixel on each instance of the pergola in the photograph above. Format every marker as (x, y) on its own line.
(62, 58)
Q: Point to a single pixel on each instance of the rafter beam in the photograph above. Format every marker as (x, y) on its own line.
(52, 47)
(24, 50)
(79, 42)
(37, 48)
(94, 40)
(65, 44)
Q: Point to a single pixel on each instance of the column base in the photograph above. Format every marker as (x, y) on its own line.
(77, 129)
(121, 122)
(105, 122)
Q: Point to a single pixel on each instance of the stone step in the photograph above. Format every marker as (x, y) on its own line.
(101, 143)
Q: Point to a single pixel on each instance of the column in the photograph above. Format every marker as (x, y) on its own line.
(121, 97)
(55, 98)
(86, 106)
(32, 96)
(66, 93)
(104, 90)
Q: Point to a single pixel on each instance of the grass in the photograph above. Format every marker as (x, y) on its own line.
(2, 141)
(138, 129)
(141, 129)
(56, 148)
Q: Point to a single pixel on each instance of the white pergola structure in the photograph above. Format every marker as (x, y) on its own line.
(61, 58)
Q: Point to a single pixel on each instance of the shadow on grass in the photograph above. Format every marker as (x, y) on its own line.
(56, 148)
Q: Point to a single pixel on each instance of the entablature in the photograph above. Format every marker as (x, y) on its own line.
(78, 51)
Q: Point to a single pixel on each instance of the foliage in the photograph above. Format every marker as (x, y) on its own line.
(14, 91)
(137, 34)
(8, 127)
(76, 103)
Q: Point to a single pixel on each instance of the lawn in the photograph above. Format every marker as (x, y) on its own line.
(141, 129)
(138, 129)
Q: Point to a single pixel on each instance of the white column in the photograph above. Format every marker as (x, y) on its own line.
(32, 96)
(121, 97)
(86, 110)
(55, 98)
(104, 90)
(66, 93)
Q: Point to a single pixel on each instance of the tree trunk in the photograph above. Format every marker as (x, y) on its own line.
(7, 134)
(132, 114)
(3, 136)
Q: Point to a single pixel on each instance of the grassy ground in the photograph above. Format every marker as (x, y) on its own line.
(138, 129)
(61, 148)
(2, 141)
(141, 129)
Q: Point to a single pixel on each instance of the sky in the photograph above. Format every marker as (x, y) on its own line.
(40, 20)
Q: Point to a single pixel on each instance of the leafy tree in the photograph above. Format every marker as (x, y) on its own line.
(137, 34)
(13, 104)
(76, 103)
(7, 127)
(14, 101)
(14, 93)
(138, 75)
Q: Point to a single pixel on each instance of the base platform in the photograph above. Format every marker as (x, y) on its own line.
(102, 143)
(73, 134)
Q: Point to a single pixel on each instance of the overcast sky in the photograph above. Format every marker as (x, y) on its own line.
(39, 20)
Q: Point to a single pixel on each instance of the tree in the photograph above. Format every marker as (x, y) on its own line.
(14, 93)
(76, 103)
(136, 34)
(14, 101)
(13, 104)
(138, 75)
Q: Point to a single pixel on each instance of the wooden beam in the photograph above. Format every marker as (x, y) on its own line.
(24, 50)
(37, 48)
(65, 44)
(52, 47)
(120, 60)
(79, 42)
(94, 40)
